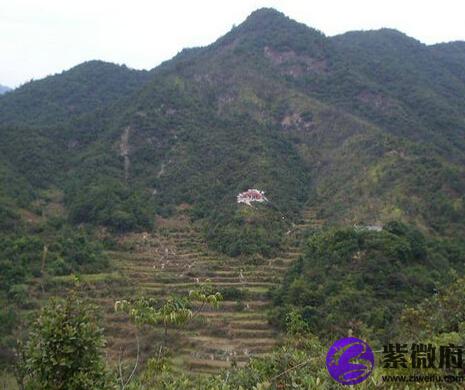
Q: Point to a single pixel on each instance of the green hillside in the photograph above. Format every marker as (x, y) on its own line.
(359, 280)
(273, 104)
(55, 100)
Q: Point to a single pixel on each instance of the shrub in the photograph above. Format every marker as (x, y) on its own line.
(64, 351)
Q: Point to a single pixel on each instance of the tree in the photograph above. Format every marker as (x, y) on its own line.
(64, 350)
(174, 311)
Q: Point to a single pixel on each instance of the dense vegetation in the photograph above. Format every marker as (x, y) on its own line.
(64, 349)
(57, 99)
(112, 204)
(362, 129)
(361, 280)
(25, 256)
(367, 126)
(30, 256)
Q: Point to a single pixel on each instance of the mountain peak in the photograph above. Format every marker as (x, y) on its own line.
(266, 13)
(269, 27)
(98, 66)
(267, 19)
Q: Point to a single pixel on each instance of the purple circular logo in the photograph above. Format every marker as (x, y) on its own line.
(350, 361)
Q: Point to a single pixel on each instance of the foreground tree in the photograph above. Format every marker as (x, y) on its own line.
(175, 311)
(64, 350)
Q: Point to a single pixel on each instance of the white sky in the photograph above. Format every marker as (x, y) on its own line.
(42, 37)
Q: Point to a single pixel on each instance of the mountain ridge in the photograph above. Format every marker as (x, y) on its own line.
(217, 120)
(73, 92)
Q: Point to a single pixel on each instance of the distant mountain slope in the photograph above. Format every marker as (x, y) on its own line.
(59, 98)
(452, 55)
(4, 89)
(365, 127)
(412, 93)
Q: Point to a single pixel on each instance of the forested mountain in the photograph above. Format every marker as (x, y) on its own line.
(87, 87)
(365, 128)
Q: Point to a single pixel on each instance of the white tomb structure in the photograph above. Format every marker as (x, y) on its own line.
(251, 195)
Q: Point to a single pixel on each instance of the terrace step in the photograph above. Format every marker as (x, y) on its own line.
(190, 285)
(173, 261)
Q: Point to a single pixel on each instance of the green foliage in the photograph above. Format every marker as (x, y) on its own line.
(250, 231)
(35, 156)
(210, 158)
(295, 324)
(172, 311)
(149, 311)
(233, 293)
(297, 364)
(110, 203)
(437, 317)
(411, 83)
(25, 257)
(261, 107)
(8, 218)
(359, 280)
(268, 27)
(64, 350)
(22, 256)
(77, 252)
(82, 89)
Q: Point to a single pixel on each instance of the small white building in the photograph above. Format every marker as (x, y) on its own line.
(251, 195)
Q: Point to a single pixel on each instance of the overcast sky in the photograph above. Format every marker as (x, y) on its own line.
(38, 38)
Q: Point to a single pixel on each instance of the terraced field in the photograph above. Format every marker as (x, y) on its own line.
(174, 260)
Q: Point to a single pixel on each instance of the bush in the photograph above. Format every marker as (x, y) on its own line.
(64, 350)
(18, 293)
(360, 280)
(233, 293)
(110, 203)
